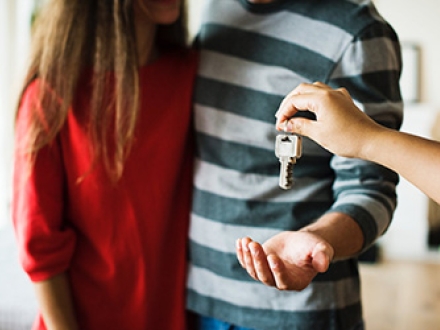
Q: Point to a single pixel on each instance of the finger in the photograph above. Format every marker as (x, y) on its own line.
(301, 126)
(321, 85)
(239, 252)
(311, 88)
(344, 91)
(247, 257)
(261, 266)
(286, 109)
(279, 272)
(303, 88)
(320, 262)
(321, 257)
(291, 105)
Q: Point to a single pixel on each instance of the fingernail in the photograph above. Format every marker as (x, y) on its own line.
(289, 126)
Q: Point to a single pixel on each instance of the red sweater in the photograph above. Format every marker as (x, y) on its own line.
(122, 245)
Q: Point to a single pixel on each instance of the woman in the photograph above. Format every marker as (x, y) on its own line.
(102, 169)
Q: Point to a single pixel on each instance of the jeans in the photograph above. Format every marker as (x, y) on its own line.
(208, 323)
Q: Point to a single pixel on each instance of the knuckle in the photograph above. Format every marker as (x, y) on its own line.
(302, 85)
(343, 90)
(297, 126)
(327, 94)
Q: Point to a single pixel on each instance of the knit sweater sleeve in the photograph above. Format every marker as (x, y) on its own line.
(45, 244)
(370, 69)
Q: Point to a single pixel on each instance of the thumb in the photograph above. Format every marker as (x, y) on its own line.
(300, 125)
(321, 257)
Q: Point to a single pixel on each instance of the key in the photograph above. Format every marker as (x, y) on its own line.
(288, 149)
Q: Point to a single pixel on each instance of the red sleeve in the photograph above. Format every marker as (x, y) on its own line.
(46, 244)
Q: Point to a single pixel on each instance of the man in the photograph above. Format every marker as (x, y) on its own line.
(252, 54)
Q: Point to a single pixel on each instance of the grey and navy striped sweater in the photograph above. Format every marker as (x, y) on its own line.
(251, 57)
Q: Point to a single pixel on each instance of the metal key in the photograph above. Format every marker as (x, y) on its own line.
(287, 148)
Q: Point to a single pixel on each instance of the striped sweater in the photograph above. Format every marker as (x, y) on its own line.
(251, 57)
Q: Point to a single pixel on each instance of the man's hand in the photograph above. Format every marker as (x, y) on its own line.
(287, 261)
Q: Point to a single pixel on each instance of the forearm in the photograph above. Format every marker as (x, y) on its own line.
(415, 158)
(55, 300)
(340, 231)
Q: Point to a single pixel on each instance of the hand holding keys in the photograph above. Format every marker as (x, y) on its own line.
(287, 148)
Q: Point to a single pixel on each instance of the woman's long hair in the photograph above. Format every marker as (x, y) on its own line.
(71, 35)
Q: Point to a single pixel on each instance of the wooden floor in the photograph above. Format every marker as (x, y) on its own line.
(401, 296)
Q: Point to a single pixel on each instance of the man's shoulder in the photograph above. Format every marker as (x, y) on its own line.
(352, 16)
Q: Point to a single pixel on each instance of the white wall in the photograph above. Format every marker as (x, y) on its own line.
(4, 104)
(415, 22)
(406, 238)
(419, 22)
(195, 7)
(14, 40)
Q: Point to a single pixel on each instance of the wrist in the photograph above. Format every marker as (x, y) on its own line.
(341, 233)
(323, 244)
(372, 139)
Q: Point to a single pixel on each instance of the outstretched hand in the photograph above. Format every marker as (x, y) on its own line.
(340, 126)
(288, 261)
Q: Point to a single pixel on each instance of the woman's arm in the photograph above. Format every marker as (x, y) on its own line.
(345, 130)
(417, 159)
(55, 302)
